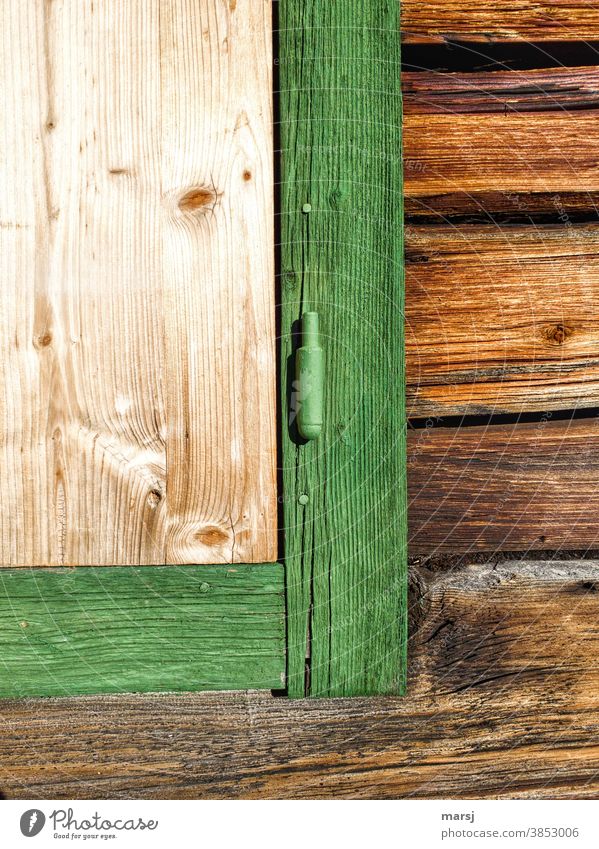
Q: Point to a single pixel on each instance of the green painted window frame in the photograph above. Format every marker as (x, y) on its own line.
(112, 629)
(330, 620)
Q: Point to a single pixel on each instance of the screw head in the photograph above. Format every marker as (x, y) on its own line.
(306, 208)
(304, 499)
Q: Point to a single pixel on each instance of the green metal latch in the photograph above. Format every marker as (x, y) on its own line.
(309, 379)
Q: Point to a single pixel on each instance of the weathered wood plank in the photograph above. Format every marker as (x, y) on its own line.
(538, 90)
(502, 703)
(517, 487)
(137, 304)
(342, 256)
(513, 163)
(501, 318)
(501, 20)
(77, 631)
(506, 153)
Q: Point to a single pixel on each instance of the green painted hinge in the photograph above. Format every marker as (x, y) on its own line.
(309, 379)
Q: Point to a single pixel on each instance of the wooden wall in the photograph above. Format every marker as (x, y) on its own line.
(501, 182)
(502, 253)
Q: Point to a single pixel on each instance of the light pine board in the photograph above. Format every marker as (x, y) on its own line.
(137, 382)
(342, 255)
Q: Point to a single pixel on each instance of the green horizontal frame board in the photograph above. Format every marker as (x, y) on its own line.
(124, 629)
(342, 257)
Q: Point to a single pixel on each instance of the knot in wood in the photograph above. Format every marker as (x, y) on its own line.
(198, 198)
(211, 536)
(558, 334)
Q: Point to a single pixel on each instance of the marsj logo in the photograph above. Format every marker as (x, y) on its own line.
(32, 822)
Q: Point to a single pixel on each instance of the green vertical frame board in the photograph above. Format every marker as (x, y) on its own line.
(114, 629)
(342, 257)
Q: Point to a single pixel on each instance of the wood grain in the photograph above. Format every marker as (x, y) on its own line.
(136, 250)
(501, 207)
(75, 631)
(537, 90)
(516, 487)
(502, 703)
(501, 318)
(342, 256)
(459, 163)
(501, 20)
(500, 315)
(510, 153)
(216, 76)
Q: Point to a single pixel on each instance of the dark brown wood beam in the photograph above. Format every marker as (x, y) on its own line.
(502, 188)
(502, 142)
(500, 92)
(517, 487)
(513, 153)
